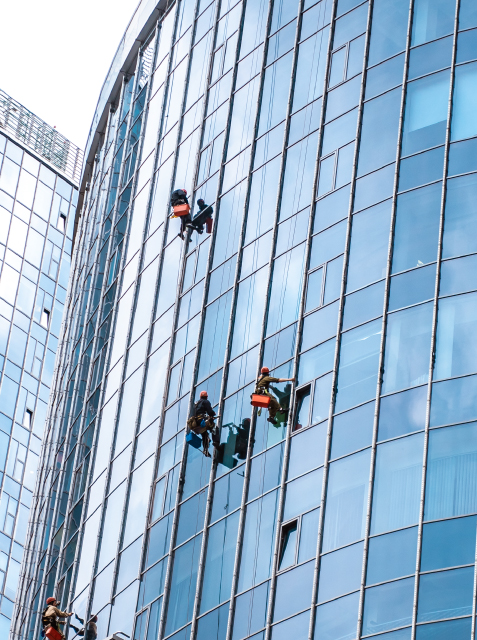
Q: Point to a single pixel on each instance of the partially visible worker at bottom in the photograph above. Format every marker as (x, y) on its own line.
(198, 221)
(263, 386)
(179, 196)
(202, 420)
(50, 615)
(92, 629)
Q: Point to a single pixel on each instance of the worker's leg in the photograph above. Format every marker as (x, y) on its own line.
(273, 408)
(205, 444)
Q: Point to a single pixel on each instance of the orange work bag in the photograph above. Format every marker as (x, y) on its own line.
(180, 210)
(53, 634)
(260, 400)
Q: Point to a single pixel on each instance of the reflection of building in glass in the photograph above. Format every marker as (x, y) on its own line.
(37, 213)
(350, 267)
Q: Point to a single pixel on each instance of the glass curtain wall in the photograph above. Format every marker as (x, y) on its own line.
(335, 141)
(37, 212)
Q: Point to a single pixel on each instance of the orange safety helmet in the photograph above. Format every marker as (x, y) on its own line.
(204, 394)
(265, 370)
(185, 191)
(50, 600)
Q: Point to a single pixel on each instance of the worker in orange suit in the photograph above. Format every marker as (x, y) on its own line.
(263, 387)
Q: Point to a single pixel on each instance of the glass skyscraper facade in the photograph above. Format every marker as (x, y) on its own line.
(38, 194)
(337, 142)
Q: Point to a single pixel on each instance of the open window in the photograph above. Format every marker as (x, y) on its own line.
(28, 419)
(302, 411)
(45, 318)
(298, 540)
(288, 546)
(62, 223)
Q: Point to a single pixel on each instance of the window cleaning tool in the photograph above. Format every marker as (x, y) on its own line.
(180, 210)
(194, 440)
(260, 400)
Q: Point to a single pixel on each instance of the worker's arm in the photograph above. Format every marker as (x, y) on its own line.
(62, 614)
(286, 379)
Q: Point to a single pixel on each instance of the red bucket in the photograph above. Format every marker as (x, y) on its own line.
(259, 400)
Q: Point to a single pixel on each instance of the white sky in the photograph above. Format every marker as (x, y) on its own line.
(54, 56)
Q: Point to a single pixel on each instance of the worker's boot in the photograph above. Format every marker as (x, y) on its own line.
(272, 420)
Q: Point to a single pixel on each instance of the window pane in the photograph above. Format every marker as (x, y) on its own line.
(374, 187)
(455, 629)
(448, 544)
(337, 620)
(308, 535)
(392, 556)
(331, 209)
(388, 29)
(430, 57)
(352, 430)
(298, 176)
(426, 112)
(250, 611)
(421, 169)
(397, 484)
(451, 472)
(460, 217)
(320, 326)
(213, 625)
(296, 627)
(412, 287)
(303, 494)
(317, 361)
(379, 132)
(248, 320)
(363, 305)
(369, 246)
(346, 500)
(285, 296)
(445, 594)
(415, 237)
(456, 330)
(467, 14)
(464, 119)
(293, 591)
(432, 20)
(288, 551)
(385, 76)
(311, 65)
(458, 276)
(183, 584)
(410, 407)
(275, 94)
(408, 342)
(340, 572)
(307, 450)
(388, 606)
(358, 370)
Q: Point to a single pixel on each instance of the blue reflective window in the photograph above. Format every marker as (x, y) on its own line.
(283, 12)
(337, 620)
(281, 42)
(456, 336)
(316, 362)
(388, 606)
(263, 200)
(250, 611)
(346, 500)
(227, 494)
(213, 625)
(293, 591)
(340, 572)
(215, 335)
(467, 14)
(316, 18)
(450, 472)
(454, 401)
(254, 26)
(462, 157)
(385, 76)
(328, 244)
(455, 629)
(308, 535)
(412, 287)
(358, 369)
(415, 237)
(369, 246)
(379, 132)
(448, 544)
(460, 217)
(321, 399)
(352, 430)
(285, 295)
(314, 293)
(298, 177)
(191, 517)
(421, 169)
(311, 64)
(374, 187)
(464, 118)
(402, 413)
(307, 450)
(275, 94)
(401, 634)
(255, 255)
(280, 347)
(363, 305)
(303, 494)
(247, 328)
(304, 122)
(320, 326)
(339, 132)
(292, 232)
(343, 98)
(458, 276)
(338, 60)
(265, 472)
(297, 627)
(183, 584)
(466, 46)
(445, 594)
(392, 556)
(388, 29)
(334, 271)
(432, 20)
(397, 484)
(331, 209)
(430, 57)
(426, 113)
(350, 26)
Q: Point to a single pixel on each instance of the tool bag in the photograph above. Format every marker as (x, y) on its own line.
(53, 634)
(180, 210)
(208, 225)
(194, 440)
(260, 400)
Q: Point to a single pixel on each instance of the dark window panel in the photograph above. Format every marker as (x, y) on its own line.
(421, 169)
(445, 594)
(439, 550)
(388, 606)
(338, 619)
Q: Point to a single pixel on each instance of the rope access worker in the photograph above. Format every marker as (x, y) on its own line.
(179, 196)
(202, 420)
(204, 217)
(50, 615)
(263, 387)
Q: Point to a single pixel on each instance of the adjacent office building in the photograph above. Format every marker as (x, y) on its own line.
(39, 176)
(337, 143)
